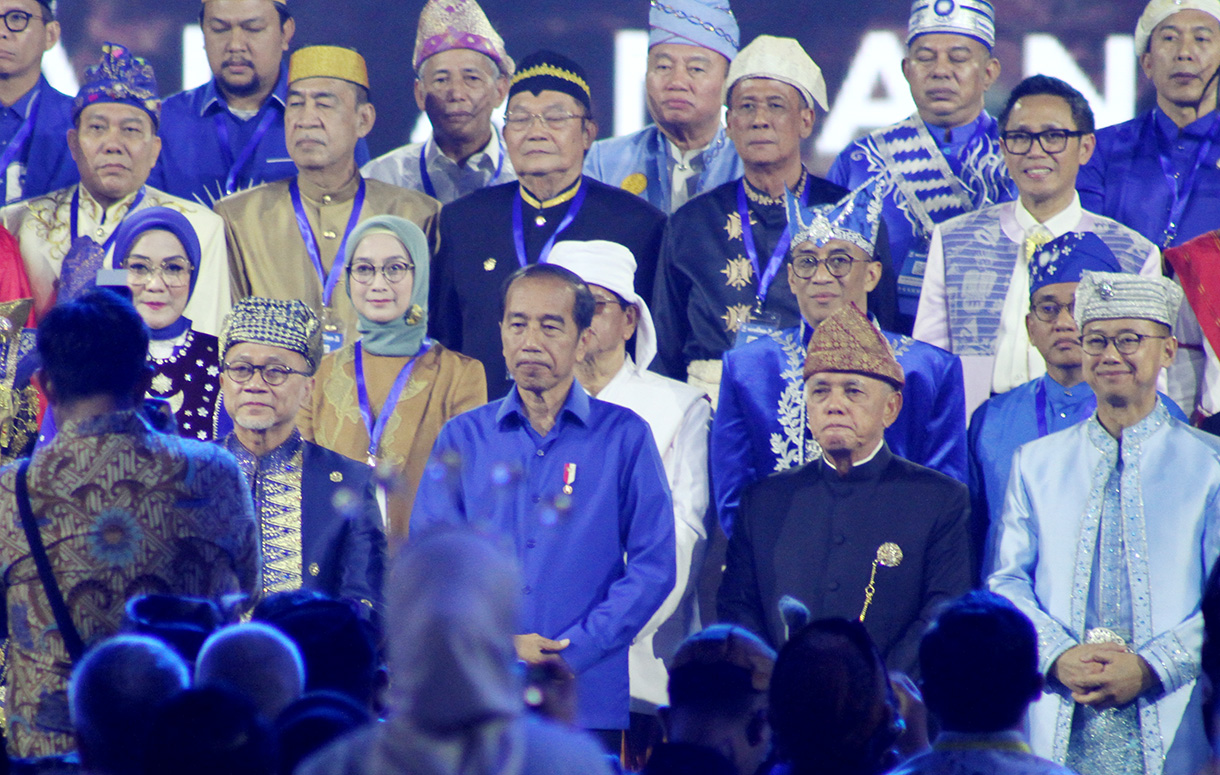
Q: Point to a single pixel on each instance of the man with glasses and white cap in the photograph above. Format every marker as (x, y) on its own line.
(685, 151)
(945, 159)
(1158, 173)
(718, 280)
(1107, 537)
(34, 116)
(976, 289)
(678, 415)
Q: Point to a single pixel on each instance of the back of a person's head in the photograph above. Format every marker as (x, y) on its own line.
(338, 646)
(451, 612)
(832, 709)
(113, 695)
(979, 634)
(209, 731)
(97, 344)
(313, 721)
(255, 660)
(720, 672)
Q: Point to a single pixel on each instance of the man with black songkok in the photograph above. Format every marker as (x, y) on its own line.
(548, 129)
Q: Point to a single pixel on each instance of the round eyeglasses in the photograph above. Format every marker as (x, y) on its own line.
(519, 121)
(1126, 343)
(392, 272)
(273, 374)
(805, 267)
(17, 21)
(1048, 311)
(174, 273)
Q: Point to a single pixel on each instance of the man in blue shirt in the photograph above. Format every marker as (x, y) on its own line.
(228, 134)
(1057, 399)
(685, 151)
(945, 159)
(34, 117)
(574, 484)
(1157, 172)
(761, 425)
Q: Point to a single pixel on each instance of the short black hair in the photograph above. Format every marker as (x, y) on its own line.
(980, 633)
(1082, 114)
(824, 699)
(210, 730)
(95, 345)
(337, 645)
(583, 306)
(280, 8)
(718, 690)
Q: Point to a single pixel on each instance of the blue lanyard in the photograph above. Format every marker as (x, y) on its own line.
(1181, 189)
(243, 158)
(18, 142)
(311, 242)
(376, 428)
(747, 237)
(109, 240)
(426, 179)
(519, 228)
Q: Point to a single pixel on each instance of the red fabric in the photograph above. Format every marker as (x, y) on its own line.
(1197, 264)
(13, 281)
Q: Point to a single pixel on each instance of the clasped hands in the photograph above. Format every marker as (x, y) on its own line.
(1103, 675)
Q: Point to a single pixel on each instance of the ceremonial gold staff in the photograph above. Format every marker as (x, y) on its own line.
(888, 554)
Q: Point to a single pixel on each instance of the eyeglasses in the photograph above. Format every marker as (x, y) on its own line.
(174, 273)
(393, 272)
(600, 304)
(805, 267)
(1048, 311)
(17, 21)
(273, 374)
(520, 121)
(1126, 343)
(752, 109)
(1052, 140)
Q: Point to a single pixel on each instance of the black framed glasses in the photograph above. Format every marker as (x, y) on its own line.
(1052, 140)
(392, 272)
(520, 120)
(1048, 311)
(175, 273)
(805, 267)
(273, 373)
(18, 21)
(1126, 343)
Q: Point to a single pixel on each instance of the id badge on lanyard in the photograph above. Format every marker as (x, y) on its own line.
(760, 324)
(332, 330)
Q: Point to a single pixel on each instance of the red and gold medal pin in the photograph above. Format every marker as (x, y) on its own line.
(569, 477)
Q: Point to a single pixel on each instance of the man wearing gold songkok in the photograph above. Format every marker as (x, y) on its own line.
(1106, 541)
(286, 238)
(461, 76)
(228, 134)
(860, 533)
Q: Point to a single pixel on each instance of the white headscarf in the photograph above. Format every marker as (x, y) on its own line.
(612, 266)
